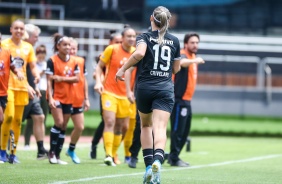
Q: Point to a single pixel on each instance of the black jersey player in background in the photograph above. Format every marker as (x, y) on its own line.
(160, 55)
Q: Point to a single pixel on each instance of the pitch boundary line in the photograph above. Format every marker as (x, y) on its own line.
(173, 169)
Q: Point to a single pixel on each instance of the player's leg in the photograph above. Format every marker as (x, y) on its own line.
(146, 138)
(57, 114)
(178, 129)
(39, 133)
(162, 106)
(28, 132)
(136, 144)
(109, 104)
(6, 125)
(78, 122)
(97, 135)
(16, 127)
(187, 127)
(28, 126)
(67, 110)
(129, 133)
(96, 138)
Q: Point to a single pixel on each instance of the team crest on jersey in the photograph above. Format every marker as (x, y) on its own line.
(26, 50)
(2, 65)
(123, 61)
(18, 62)
(68, 71)
(18, 51)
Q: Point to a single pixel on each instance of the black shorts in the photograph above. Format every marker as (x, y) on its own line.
(66, 108)
(147, 100)
(3, 101)
(77, 110)
(32, 108)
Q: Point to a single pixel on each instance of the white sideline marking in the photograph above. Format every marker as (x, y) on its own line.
(174, 169)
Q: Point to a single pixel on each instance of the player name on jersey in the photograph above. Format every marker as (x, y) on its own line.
(159, 73)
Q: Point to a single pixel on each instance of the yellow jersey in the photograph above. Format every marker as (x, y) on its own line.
(21, 55)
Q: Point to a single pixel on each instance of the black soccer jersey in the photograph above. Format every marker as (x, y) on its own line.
(157, 64)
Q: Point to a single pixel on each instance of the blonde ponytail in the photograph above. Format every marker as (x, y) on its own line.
(161, 17)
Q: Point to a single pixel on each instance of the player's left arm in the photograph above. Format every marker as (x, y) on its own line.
(176, 63)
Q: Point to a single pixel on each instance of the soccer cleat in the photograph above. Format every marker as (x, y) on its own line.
(179, 163)
(148, 175)
(132, 162)
(42, 155)
(26, 147)
(52, 158)
(1, 162)
(3, 156)
(166, 156)
(156, 169)
(109, 161)
(13, 159)
(93, 153)
(73, 156)
(126, 160)
(59, 161)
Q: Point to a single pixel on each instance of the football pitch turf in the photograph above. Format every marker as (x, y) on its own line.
(213, 160)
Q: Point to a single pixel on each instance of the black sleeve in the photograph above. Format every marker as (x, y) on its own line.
(177, 53)
(30, 77)
(50, 67)
(140, 39)
(76, 69)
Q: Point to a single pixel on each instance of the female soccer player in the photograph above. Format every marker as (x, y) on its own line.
(22, 53)
(62, 71)
(6, 64)
(160, 55)
(80, 102)
(114, 101)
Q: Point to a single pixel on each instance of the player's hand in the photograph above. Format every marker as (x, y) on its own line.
(20, 75)
(86, 104)
(38, 93)
(119, 75)
(94, 75)
(130, 96)
(52, 103)
(200, 60)
(31, 92)
(36, 79)
(99, 88)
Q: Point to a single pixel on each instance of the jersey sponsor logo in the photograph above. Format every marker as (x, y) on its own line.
(168, 42)
(18, 62)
